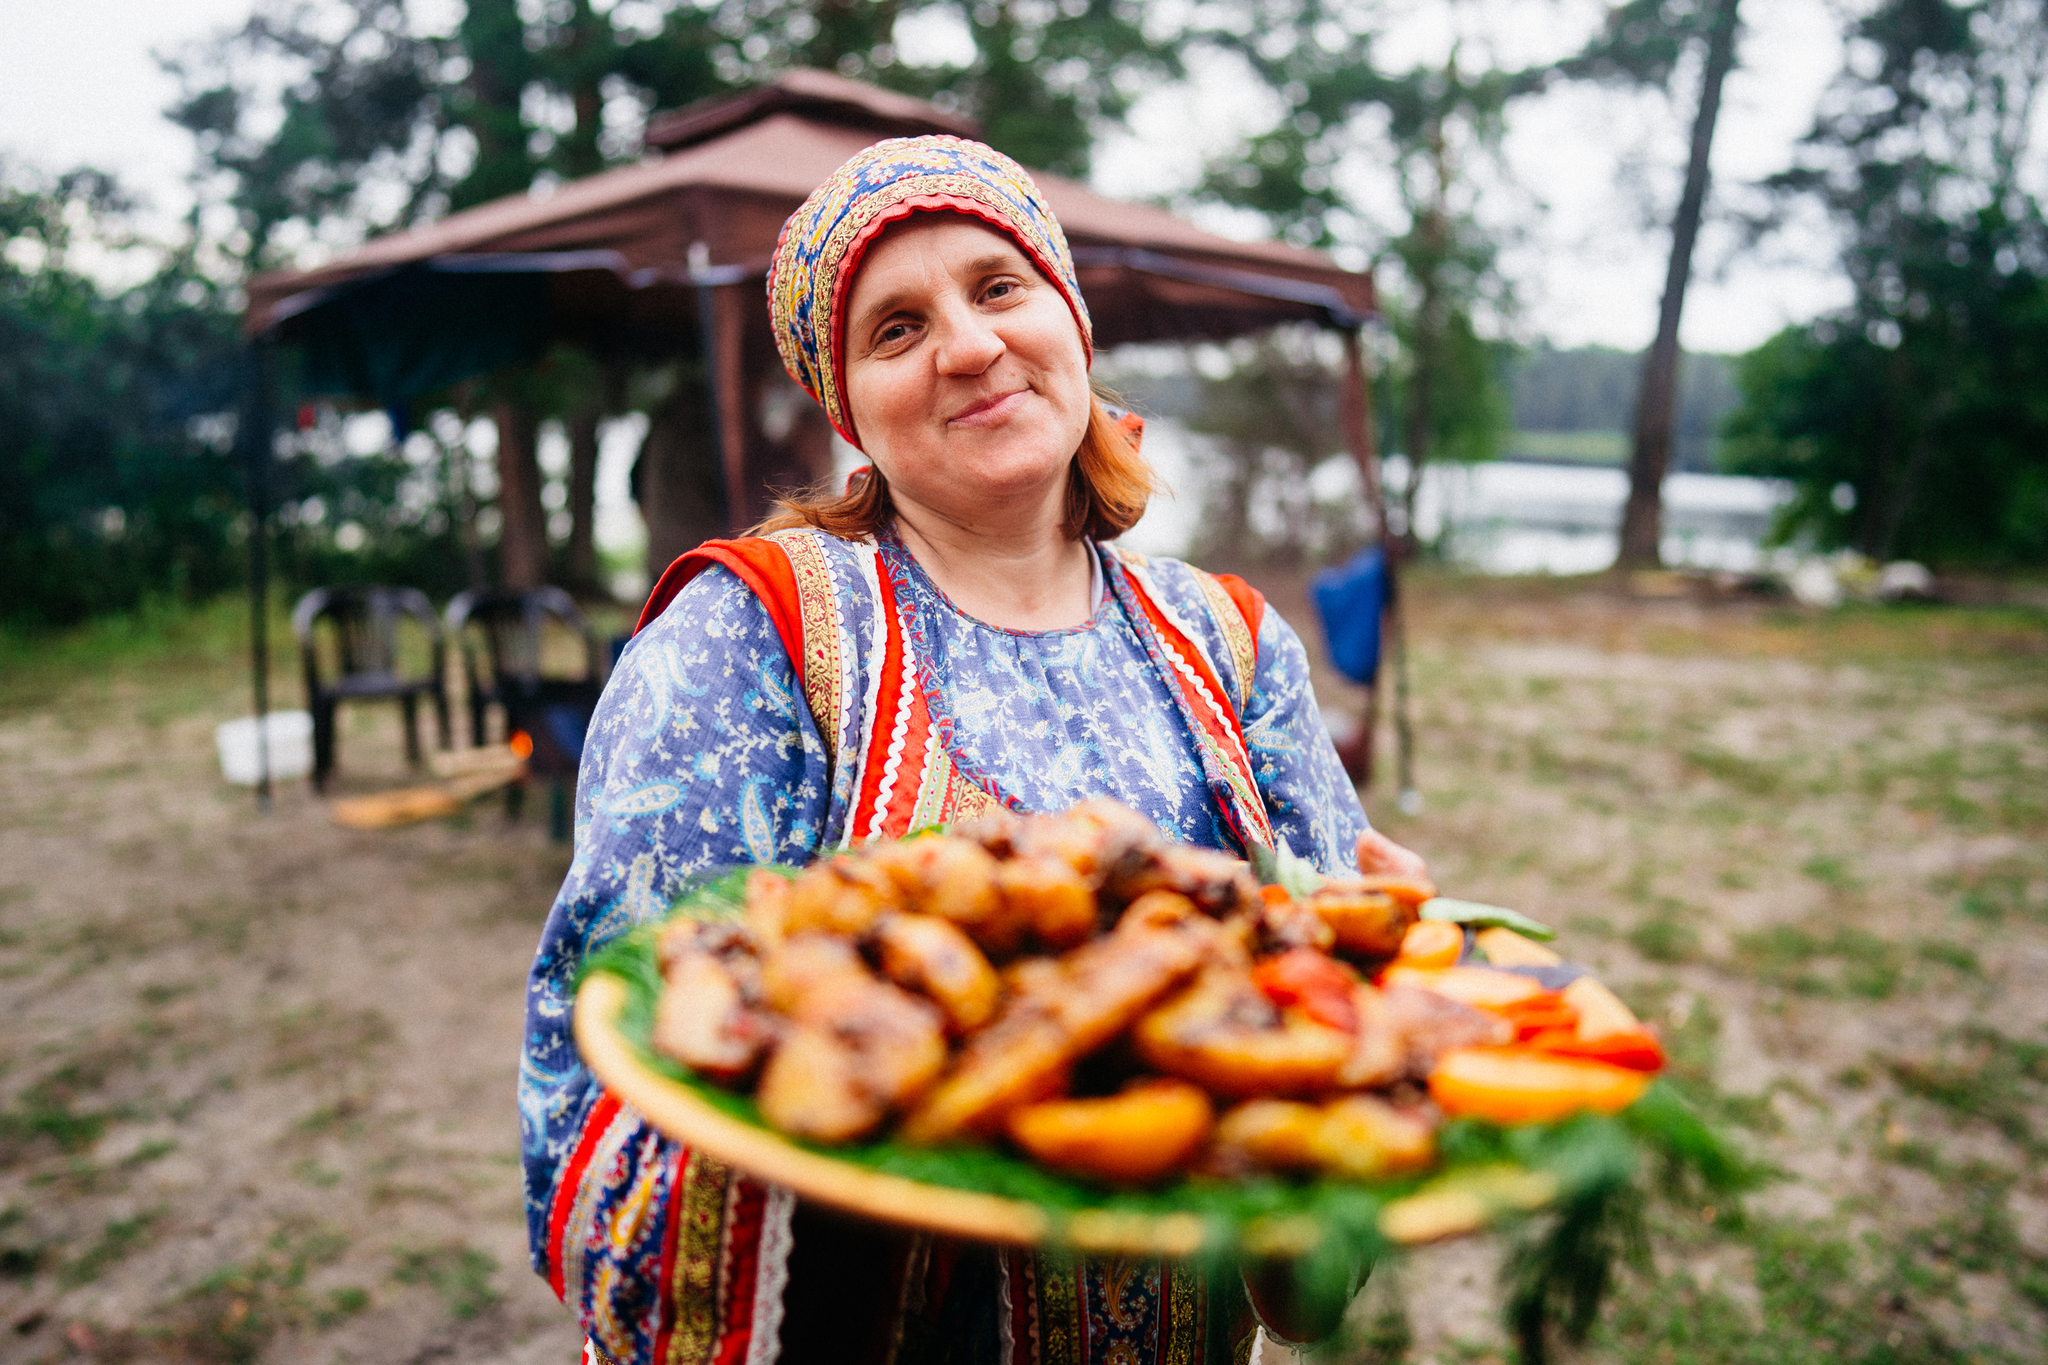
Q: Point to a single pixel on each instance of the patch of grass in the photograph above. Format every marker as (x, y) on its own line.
(1986, 1075)
(1746, 775)
(115, 1241)
(460, 1274)
(315, 1174)
(1947, 953)
(325, 1038)
(1665, 939)
(1848, 961)
(46, 1113)
(340, 1305)
(1830, 872)
(156, 1149)
(1820, 1299)
(2001, 890)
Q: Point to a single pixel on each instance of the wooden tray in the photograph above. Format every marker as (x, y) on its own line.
(1443, 1209)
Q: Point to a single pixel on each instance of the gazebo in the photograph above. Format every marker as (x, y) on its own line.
(667, 258)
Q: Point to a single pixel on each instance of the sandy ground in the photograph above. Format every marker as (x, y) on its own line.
(256, 1080)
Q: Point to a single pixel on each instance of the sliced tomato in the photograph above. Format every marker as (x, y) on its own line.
(1539, 1014)
(1638, 1049)
(1315, 982)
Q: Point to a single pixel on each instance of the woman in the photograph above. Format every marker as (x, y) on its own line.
(947, 634)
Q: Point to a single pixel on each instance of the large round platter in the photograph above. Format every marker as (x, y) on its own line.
(765, 1155)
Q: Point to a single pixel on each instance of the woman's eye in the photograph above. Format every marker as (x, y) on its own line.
(1000, 289)
(891, 335)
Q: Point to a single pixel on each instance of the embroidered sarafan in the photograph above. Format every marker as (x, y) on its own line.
(823, 241)
(707, 751)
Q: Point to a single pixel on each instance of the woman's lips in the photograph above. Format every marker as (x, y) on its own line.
(989, 411)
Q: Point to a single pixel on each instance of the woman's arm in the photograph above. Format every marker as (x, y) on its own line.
(1311, 802)
(701, 754)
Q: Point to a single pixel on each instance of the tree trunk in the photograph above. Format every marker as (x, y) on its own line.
(678, 481)
(583, 497)
(523, 525)
(1642, 522)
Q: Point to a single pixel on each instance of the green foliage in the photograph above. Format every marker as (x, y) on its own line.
(1444, 394)
(113, 486)
(353, 112)
(1592, 390)
(1925, 396)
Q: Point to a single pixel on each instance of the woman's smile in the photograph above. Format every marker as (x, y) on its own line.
(991, 411)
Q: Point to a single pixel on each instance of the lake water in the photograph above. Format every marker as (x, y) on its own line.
(1507, 516)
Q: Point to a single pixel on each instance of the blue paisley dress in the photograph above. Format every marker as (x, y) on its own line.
(702, 753)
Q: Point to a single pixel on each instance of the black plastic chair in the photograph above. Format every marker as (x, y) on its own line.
(510, 671)
(364, 624)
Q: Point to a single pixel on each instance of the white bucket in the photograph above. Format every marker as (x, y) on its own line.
(288, 737)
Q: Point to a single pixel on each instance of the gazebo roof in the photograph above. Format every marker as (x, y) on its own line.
(623, 248)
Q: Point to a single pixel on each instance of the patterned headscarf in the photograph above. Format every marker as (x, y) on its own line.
(824, 240)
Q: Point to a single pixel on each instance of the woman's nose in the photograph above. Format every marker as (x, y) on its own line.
(968, 344)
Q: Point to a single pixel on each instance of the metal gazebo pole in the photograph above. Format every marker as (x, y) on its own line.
(254, 433)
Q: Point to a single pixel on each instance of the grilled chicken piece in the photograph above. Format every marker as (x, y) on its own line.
(1286, 923)
(933, 957)
(1360, 1136)
(1366, 922)
(1055, 1018)
(1402, 1029)
(1216, 882)
(711, 1015)
(1049, 898)
(799, 969)
(844, 895)
(939, 874)
(860, 1049)
(1226, 1035)
(767, 897)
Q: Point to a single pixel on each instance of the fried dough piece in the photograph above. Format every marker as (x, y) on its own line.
(1402, 1029)
(1148, 1131)
(936, 959)
(843, 895)
(861, 1048)
(1054, 1019)
(1366, 922)
(1359, 1136)
(1225, 1034)
(710, 1014)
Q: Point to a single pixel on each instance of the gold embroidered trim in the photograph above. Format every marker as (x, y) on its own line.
(1184, 1306)
(1059, 1299)
(700, 1203)
(1237, 638)
(818, 604)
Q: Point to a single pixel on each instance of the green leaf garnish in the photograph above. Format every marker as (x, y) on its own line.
(1485, 916)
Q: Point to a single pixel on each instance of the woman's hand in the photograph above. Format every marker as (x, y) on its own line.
(1379, 856)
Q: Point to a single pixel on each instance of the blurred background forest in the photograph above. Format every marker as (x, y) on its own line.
(1911, 420)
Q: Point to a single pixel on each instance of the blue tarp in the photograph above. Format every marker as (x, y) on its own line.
(1351, 599)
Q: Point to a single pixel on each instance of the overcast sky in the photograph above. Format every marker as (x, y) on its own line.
(1586, 168)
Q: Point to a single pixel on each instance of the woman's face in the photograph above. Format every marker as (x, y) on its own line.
(965, 375)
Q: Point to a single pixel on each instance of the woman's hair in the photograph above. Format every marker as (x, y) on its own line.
(1108, 485)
